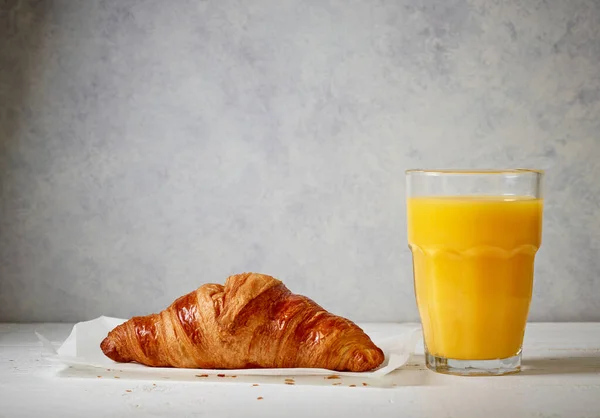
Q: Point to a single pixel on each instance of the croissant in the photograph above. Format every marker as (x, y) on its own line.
(254, 321)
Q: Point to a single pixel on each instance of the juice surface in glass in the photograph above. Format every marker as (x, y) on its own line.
(473, 259)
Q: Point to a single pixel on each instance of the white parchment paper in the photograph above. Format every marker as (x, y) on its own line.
(82, 348)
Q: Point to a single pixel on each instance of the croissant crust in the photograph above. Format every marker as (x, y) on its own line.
(253, 321)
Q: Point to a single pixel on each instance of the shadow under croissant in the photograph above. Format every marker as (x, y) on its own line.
(410, 376)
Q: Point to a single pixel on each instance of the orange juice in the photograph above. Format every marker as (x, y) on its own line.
(473, 271)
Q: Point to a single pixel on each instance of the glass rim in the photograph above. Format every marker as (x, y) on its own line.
(480, 171)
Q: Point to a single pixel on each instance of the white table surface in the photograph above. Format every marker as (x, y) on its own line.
(561, 377)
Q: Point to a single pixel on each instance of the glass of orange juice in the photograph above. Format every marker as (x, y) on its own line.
(473, 235)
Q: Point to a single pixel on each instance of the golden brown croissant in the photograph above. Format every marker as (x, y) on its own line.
(253, 321)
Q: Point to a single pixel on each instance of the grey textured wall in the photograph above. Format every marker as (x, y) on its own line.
(148, 147)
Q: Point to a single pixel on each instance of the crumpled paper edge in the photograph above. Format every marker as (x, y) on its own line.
(398, 351)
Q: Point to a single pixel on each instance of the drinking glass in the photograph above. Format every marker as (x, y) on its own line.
(473, 235)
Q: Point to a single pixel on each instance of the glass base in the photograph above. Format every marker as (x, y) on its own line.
(497, 367)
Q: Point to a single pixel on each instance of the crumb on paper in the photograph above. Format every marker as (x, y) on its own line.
(221, 375)
(201, 375)
(117, 377)
(352, 386)
(233, 377)
(99, 377)
(127, 390)
(289, 380)
(365, 384)
(153, 384)
(255, 384)
(333, 376)
(260, 398)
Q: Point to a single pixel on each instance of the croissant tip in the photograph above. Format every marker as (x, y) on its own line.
(109, 348)
(365, 360)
